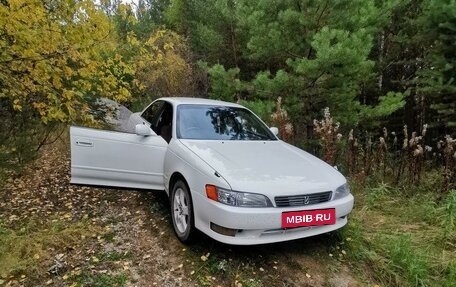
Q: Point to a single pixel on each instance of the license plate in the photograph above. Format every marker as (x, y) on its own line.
(304, 218)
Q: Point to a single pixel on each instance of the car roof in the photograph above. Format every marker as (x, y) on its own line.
(198, 101)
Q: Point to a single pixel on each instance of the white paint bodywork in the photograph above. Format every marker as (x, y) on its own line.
(272, 168)
(116, 159)
(278, 168)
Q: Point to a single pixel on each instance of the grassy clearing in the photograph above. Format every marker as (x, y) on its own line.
(100, 280)
(216, 268)
(113, 256)
(280, 264)
(209, 263)
(205, 261)
(407, 238)
(26, 245)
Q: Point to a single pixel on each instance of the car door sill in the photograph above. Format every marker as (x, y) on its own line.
(116, 170)
(110, 183)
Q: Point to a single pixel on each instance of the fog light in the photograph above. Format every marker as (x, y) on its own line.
(223, 230)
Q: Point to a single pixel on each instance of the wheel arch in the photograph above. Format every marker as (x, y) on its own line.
(174, 178)
(188, 234)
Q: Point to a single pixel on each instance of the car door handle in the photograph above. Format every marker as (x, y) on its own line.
(86, 144)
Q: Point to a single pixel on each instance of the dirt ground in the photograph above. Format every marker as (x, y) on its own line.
(121, 237)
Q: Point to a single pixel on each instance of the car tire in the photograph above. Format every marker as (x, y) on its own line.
(182, 212)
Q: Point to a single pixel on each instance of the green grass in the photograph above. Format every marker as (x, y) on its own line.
(223, 267)
(449, 274)
(109, 236)
(113, 256)
(378, 194)
(101, 280)
(403, 238)
(406, 260)
(28, 243)
(448, 217)
(25, 247)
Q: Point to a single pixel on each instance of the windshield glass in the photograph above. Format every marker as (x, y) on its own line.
(206, 122)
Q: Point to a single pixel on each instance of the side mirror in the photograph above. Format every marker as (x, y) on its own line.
(142, 130)
(274, 130)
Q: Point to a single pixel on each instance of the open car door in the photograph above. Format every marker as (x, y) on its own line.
(110, 158)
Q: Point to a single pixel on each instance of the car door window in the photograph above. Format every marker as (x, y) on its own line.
(152, 113)
(164, 123)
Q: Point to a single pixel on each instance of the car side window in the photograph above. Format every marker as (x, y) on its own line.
(152, 113)
(164, 122)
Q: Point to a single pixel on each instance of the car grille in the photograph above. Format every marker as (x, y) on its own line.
(302, 199)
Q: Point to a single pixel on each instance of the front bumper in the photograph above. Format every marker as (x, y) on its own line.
(261, 225)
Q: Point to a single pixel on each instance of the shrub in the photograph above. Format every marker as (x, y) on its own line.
(361, 154)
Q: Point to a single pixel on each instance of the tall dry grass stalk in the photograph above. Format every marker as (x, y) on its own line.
(383, 157)
(281, 120)
(448, 147)
(327, 131)
(352, 151)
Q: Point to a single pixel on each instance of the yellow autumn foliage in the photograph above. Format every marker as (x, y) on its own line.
(58, 56)
(163, 65)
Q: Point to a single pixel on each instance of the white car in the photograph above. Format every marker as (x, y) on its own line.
(226, 173)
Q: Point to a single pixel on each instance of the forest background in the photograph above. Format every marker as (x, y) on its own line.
(367, 85)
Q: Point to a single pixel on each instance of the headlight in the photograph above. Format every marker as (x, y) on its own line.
(342, 191)
(236, 198)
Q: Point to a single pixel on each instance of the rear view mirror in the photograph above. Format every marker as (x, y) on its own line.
(274, 130)
(142, 130)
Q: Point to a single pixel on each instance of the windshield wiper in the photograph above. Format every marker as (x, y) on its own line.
(263, 137)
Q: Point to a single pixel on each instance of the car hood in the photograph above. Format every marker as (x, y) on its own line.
(268, 167)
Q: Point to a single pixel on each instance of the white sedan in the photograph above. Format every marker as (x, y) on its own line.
(226, 173)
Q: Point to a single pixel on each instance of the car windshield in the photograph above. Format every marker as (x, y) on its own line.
(206, 122)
